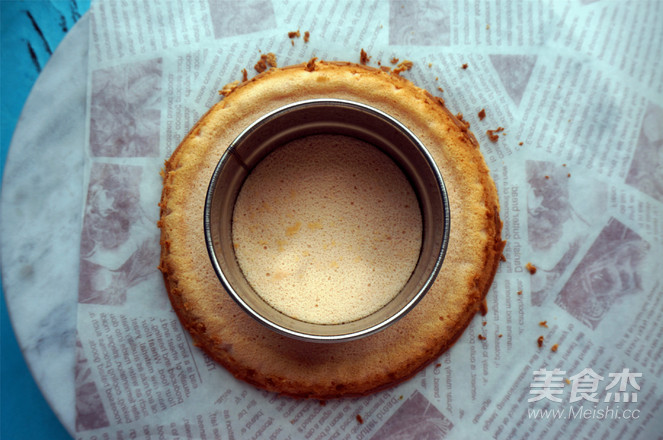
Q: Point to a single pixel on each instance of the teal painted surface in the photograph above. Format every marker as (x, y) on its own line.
(30, 32)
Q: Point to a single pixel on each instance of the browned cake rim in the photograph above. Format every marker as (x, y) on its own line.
(248, 354)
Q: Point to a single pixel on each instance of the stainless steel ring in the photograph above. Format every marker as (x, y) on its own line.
(326, 116)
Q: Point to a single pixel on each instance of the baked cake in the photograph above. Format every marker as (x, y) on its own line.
(274, 362)
(327, 229)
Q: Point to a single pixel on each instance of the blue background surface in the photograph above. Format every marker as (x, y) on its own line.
(30, 33)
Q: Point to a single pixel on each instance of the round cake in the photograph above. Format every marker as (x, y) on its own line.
(255, 354)
(327, 229)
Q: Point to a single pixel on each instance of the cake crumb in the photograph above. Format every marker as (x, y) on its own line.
(483, 307)
(484, 323)
(540, 341)
(266, 61)
(245, 75)
(307, 36)
(465, 125)
(568, 175)
(544, 324)
(482, 114)
(530, 268)
(482, 338)
(294, 34)
(492, 134)
(568, 382)
(360, 419)
(464, 66)
(500, 335)
(440, 89)
(394, 60)
(520, 292)
(363, 57)
(228, 88)
(520, 143)
(271, 59)
(310, 66)
(554, 348)
(547, 177)
(403, 66)
(438, 365)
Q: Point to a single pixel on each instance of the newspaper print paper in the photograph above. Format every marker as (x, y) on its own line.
(577, 88)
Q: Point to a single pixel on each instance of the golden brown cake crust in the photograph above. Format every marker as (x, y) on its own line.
(259, 356)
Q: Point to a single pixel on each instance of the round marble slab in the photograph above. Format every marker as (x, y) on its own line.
(40, 220)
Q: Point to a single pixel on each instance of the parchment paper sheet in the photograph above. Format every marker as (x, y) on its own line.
(577, 87)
